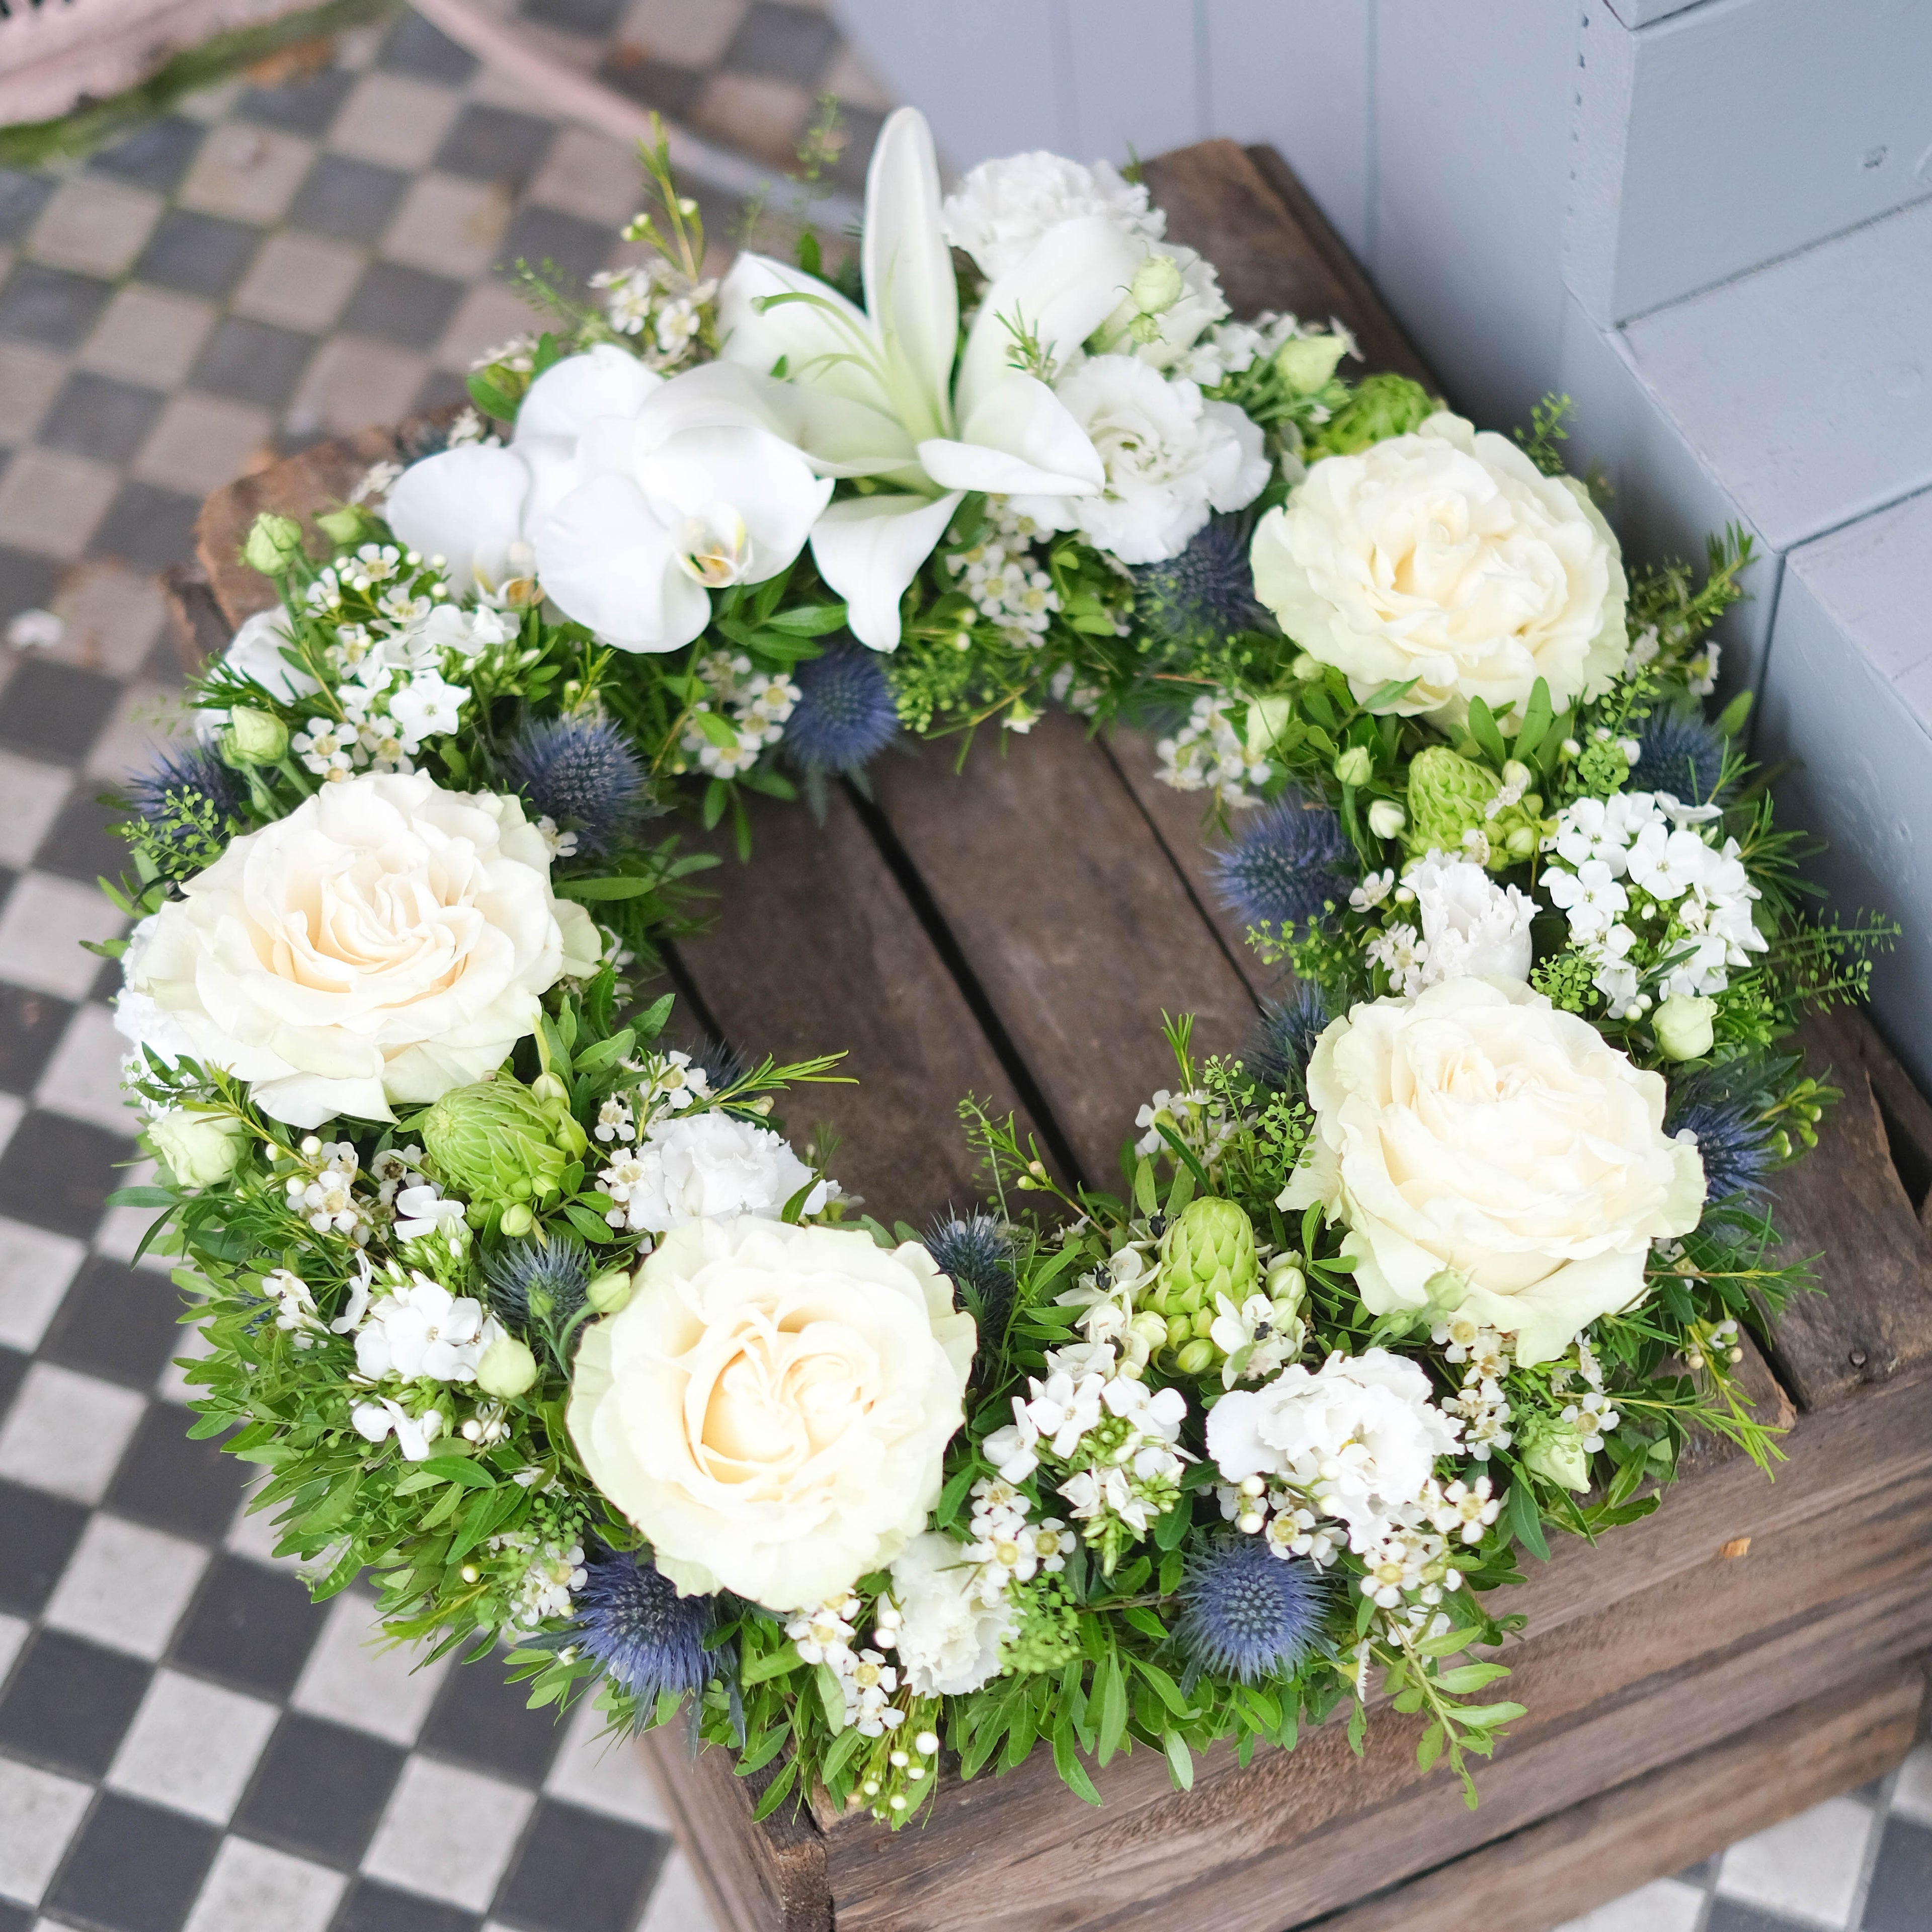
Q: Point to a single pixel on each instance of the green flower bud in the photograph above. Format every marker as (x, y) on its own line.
(1208, 1250)
(1179, 1330)
(255, 737)
(1552, 1449)
(1151, 1327)
(1386, 818)
(1197, 1357)
(1156, 285)
(1684, 1026)
(1446, 1291)
(1382, 407)
(1521, 842)
(274, 543)
(1355, 767)
(1267, 716)
(550, 1089)
(1306, 362)
(517, 1219)
(610, 1292)
(1286, 1285)
(1447, 793)
(341, 526)
(494, 1141)
(506, 1369)
(198, 1150)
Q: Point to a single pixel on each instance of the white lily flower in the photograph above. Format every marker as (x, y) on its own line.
(874, 393)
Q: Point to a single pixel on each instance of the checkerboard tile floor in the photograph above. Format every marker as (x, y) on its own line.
(185, 1741)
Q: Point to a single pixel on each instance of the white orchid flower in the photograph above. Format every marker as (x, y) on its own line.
(481, 508)
(875, 393)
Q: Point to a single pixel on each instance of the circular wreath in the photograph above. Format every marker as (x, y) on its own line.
(543, 1321)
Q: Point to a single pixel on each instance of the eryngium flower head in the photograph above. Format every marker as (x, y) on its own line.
(537, 1280)
(1207, 594)
(582, 772)
(1736, 1143)
(183, 806)
(1679, 753)
(845, 715)
(648, 1637)
(1283, 868)
(494, 1141)
(1247, 1613)
(978, 1253)
(1209, 1251)
(1277, 1054)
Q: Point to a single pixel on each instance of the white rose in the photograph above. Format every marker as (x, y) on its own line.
(949, 1637)
(707, 1166)
(1476, 1128)
(1002, 207)
(386, 941)
(1360, 1434)
(1171, 459)
(1446, 556)
(1471, 925)
(200, 1150)
(772, 1407)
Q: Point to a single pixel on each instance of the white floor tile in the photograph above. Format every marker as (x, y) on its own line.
(172, 1384)
(254, 1535)
(12, 1110)
(1912, 1796)
(678, 1903)
(192, 1746)
(41, 929)
(1806, 1867)
(126, 1586)
(121, 1229)
(35, 1268)
(82, 1079)
(253, 1889)
(349, 1678)
(1665, 1905)
(31, 795)
(605, 1773)
(448, 1833)
(39, 1812)
(65, 1432)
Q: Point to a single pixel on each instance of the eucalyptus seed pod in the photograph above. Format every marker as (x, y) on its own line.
(1208, 1250)
(495, 1141)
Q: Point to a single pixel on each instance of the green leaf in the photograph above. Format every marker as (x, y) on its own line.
(614, 887)
(490, 399)
(1482, 729)
(831, 1696)
(1113, 1717)
(142, 1197)
(1470, 1677)
(1390, 693)
(1066, 1762)
(1487, 1716)
(1164, 1687)
(808, 620)
(650, 1023)
(592, 1227)
(1730, 720)
(717, 796)
(1185, 1153)
(954, 1494)
(1145, 1198)
(1525, 1521)
(472, 1475)
(776, 1792)
(1430, 1747)
(779, 1663)
(1170, 1526)
(1536, 719)
(605, 1051)
(1179, 1761)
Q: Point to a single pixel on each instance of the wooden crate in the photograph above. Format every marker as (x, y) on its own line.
(1017, 934)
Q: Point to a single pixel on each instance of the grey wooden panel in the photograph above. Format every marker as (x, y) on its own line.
(1133, 77)
(1641, 13)
(1738, 131)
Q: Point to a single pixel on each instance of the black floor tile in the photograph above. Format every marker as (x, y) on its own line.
(134, 1867)
(58, 1173)
(155, 156)
(305, 106)
(784, 42)
(352, 200)
(148, 526)
(69, 1703)
(172, 1480)
(496, 144)
(23, 195)
(14, 1918)
(53, 306)
(117, 1322)
(540, 235)
(478, 1718)
(81, 843)
(418, 50)
(319, 1789)
(254, 361)
(576, 16)
(440, 387)
(399, 304)
(27, 579)
(371, 1907)
(55, 710)
(41, 1532)
(1728, 1915)
(1900, 1896)
(250, 1626)
(100, 417)
(13, 1371)
(663, 85)
(31, 1025)
(579, 1873)
(199, 254)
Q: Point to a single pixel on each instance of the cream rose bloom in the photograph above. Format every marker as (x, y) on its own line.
(386, 942)
(1447, 555)
(1476, 1129)
(771, 1408)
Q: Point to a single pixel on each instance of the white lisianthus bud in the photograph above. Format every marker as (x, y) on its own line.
(507, 1368)
(1386, 818)
(1306, 362)
(1684, 1026)
(255, 737)
(200, 1150)
(609, 1291)
(1355, 767)
(1516, 773)
(1267, 717)
(1156, 285)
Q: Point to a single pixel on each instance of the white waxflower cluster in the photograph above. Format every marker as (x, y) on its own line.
(659, 305)
(1201, 1119)
(1483, 1354)
(1207, 753)
(1006, 1548)
(1001, 574)
(325, 1197)
(1230, 348)
(518, 354)
(1699, 668)
(1593, 1415)
(754, 705)
(296, 1311)
(1648, 896)
(824, 1636)
(547, 1587)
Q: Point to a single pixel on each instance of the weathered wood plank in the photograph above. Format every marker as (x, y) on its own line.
(1071, 916)
(1661, 1822)
(196, 621)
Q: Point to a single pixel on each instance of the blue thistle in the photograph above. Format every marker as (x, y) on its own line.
(1284, 865)
(1679, 753)
(183, 808)
(978, 1253)
(722, 1065)
(582, 772)
(845, 715)
(1277, 1054)
(537, 1281)
(650, 1639)
(1734, 1141)
(1247, 1613)
(1207, 594)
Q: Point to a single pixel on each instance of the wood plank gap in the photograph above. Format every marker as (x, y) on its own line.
(695, 1006)
(926, 909)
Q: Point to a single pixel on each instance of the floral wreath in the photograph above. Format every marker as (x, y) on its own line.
(544, 1322)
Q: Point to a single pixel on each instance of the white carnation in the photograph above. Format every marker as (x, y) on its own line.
(1003, 208)
(708, 1166)
(1470, 924)
(949, 1636)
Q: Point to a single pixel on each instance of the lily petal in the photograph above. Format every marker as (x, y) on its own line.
(606, 560)
(868, 549)
(569, 395)
(769, 485)
(1020, 439)
(769, 313)
(465, 505)
(910, 292)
